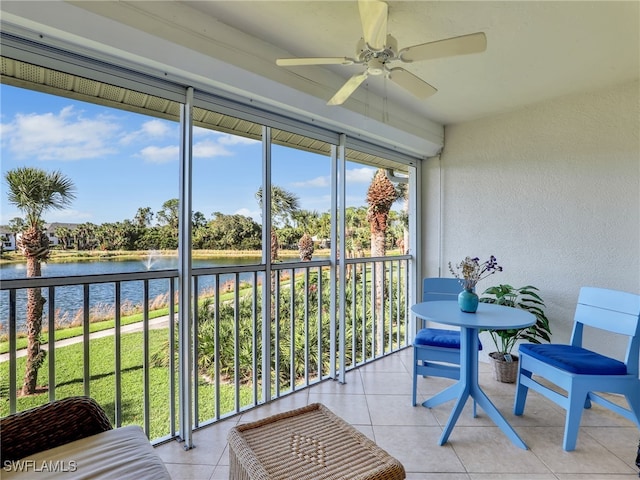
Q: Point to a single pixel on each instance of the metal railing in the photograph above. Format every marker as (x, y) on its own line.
(136, 381)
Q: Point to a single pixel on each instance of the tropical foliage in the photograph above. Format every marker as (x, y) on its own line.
(302, 322)
(149, 230)
(526, 298)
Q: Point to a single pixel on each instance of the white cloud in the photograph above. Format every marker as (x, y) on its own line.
(209, 149)
(211, 144)
(317, 182)
(5, 130)
(153, 154)
(354, 175)
(202, 132)
(154, 128)
(66, 135)
(223, 138)
(254, 214)
(360, 175)
(68, 216)
(226, 139)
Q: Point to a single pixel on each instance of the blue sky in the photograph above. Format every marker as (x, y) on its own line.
(120, 161)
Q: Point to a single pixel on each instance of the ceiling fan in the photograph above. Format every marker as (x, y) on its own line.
(376, 50)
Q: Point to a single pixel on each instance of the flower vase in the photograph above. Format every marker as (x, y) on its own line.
(468, 301)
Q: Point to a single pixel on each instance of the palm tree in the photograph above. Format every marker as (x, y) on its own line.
(403, 192)
(16, 225)
(305, 248)
(380, 197)
(35, 191)
(304, 218)
(64, 236)
(284, 205)
(85, 236)
(322, 227)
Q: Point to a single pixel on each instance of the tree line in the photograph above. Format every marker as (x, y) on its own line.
(150, 230)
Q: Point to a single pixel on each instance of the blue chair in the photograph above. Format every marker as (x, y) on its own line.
(436, 351)
(582, 372)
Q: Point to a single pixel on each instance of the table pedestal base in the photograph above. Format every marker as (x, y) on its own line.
(467, 387)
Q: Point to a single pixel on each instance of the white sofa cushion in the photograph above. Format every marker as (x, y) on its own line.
(122, 453)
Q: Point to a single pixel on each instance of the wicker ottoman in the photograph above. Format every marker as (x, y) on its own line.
(309, 443)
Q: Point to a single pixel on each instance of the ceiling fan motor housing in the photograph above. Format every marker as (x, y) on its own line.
(366, 54)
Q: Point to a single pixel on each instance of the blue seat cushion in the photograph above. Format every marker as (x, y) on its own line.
(439, 337)
(574, 359)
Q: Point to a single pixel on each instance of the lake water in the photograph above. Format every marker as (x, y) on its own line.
(69, 300)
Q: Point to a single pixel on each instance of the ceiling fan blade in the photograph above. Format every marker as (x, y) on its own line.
(294, 62)
(465, 44)
(347, 89)
(373, 15)
(411, 83)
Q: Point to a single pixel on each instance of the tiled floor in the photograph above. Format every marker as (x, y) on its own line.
(376, 399)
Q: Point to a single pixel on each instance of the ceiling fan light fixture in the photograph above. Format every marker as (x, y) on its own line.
(375, 66)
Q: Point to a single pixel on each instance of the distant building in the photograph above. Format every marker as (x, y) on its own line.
(51, 228)
(9, 238)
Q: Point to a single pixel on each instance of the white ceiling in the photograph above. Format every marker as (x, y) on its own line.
(536, 50)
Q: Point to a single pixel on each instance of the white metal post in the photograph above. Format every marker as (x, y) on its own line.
(185, 314)
(334, 261)
(266, 260)
(342, 265)
(415, 243)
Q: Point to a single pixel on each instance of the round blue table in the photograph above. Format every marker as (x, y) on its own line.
(488, 316)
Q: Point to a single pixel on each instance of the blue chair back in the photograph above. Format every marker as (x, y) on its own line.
(612, 311)
(440, 289)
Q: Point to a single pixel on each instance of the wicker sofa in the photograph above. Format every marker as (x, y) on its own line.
(73, 438)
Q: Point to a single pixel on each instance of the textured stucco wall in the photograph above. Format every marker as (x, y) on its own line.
(553, 191)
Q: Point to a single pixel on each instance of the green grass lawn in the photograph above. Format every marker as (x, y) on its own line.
(70, 332)
(77, 331)
(69, 381)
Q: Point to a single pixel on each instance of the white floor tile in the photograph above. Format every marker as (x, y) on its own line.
(376, 399)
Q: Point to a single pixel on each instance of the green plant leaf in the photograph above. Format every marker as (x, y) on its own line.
(524, 298)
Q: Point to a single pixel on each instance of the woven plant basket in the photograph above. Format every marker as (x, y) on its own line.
(503, 371)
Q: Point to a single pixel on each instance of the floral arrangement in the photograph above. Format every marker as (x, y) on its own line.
(470, 271)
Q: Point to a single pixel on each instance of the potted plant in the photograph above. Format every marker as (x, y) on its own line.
(505, 363)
